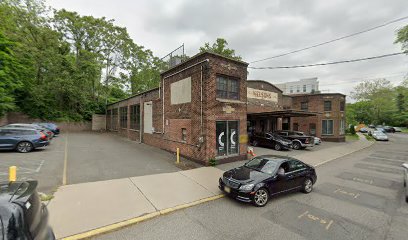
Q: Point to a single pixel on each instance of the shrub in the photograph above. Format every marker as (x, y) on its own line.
(212, 162)
(352, 130)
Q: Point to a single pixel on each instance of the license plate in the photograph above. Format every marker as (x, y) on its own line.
(227, 189)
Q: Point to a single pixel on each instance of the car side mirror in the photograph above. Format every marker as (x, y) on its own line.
(281, 175)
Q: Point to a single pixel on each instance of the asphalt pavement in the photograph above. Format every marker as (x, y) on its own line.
(359, 196)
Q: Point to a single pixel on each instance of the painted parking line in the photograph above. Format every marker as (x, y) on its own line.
(391, 156)
(315, 223)
(378, 168)
(369, 180)
(354, 196)
(386, 161)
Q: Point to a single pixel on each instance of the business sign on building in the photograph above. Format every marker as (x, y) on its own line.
(262, 95)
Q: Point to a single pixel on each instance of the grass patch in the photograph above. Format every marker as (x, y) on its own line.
(368, 137)
(404, 130)
(352, 137)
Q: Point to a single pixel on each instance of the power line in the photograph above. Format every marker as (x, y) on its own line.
(333, 40)
(330, 63)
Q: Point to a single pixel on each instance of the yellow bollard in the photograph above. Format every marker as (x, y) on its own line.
(178, 156)
(12, 173)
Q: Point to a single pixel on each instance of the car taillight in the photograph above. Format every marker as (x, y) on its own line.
(43, 136)
(307, 140)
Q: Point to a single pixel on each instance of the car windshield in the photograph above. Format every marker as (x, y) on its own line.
(263, 165)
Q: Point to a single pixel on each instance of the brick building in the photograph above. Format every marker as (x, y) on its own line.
(201, 107)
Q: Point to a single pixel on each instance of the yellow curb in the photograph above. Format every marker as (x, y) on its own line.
(132, 221)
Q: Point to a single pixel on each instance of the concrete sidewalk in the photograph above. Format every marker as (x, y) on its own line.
(84, 207)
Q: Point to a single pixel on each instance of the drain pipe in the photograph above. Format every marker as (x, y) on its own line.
(182, 70)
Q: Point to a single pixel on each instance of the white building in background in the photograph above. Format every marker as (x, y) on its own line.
(306, 85)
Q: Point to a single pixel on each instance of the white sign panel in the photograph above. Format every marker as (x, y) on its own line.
(262, 95)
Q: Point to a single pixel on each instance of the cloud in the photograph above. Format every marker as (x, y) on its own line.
(260, 29)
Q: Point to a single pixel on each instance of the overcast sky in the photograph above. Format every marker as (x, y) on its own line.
(264, 28)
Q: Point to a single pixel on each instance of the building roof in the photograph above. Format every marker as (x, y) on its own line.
(313, 94)
(134, 95)
(266, 82)
(201, 54)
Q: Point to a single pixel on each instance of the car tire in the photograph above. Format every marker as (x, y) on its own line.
(24, 147)
(296, 145)
(277, 147)
(307, 186)
(255, 143)
(261, 197)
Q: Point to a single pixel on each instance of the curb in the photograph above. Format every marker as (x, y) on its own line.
(129, 222)
(320, 164)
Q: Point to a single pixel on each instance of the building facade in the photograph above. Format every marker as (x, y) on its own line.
(306, 85)
(206, 107)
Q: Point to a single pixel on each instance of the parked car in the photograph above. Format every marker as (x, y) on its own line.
(317, 141)
(389, 129)
(22, 215)
(397, 129)
(364, 130)
(379, 136)
(270, 140)
(21, 139)
(265, 176)
(380, 129)
(51, 126)
(405, 166)
(299, 139)
(48, 132)
(371, 126)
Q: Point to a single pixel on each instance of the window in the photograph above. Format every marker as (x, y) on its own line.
(227, 133)
(227, 88)
(327, 106)
(184, 134)
(297, 88)
(123, 117)
(295, 165)
(135, 117)
(313, 87)
(342, 127)
(327, 127)
(291, 89)
(303, 106)
(342, 106)
(115, 119)
(304, 88)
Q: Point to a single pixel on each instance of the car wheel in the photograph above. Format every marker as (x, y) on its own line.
(261, 197)
(296, 145)
(307, 186)
(254, 143)
(277, 147)
(24, 147)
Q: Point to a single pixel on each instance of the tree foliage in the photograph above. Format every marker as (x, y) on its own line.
(68, 66)
(220, 47)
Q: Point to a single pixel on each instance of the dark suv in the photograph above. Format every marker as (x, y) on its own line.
(299, 139)
(22, 215)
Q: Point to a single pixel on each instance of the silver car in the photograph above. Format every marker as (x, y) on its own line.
(379, 136)
(405, 166)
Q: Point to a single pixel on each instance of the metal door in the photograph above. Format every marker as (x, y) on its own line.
(148, 117)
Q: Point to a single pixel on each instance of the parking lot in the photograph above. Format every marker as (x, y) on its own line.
(86, 157)
(359, 196)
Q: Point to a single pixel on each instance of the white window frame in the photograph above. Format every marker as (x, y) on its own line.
(332, 130)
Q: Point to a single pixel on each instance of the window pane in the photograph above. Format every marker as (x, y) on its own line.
(324, 126)
(221, 135)
(329, 126)
(233, 143)
(327, 105)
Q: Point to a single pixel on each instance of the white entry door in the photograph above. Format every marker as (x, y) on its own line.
(148, 117)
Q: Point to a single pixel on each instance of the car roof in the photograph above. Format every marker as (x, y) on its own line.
(276, 158)
(15, 128)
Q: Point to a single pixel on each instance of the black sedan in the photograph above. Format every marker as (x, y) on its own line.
(270, 140)
(265, 176)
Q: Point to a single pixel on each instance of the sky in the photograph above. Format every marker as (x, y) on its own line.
(264, 28)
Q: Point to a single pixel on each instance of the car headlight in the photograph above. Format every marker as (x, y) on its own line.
(247, 187)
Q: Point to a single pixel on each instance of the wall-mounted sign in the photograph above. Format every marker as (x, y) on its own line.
(228, 109)
(262, 95)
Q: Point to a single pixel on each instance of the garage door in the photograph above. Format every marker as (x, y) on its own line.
(148, 117)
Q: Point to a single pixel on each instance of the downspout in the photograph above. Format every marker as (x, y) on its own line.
(182, 70)
(201, 104)
(140, 119)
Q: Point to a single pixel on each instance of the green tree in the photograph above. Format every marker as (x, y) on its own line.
(402, 38)
(220, 47)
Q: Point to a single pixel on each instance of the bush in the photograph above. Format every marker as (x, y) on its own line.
(212, 162)
(352, 130)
